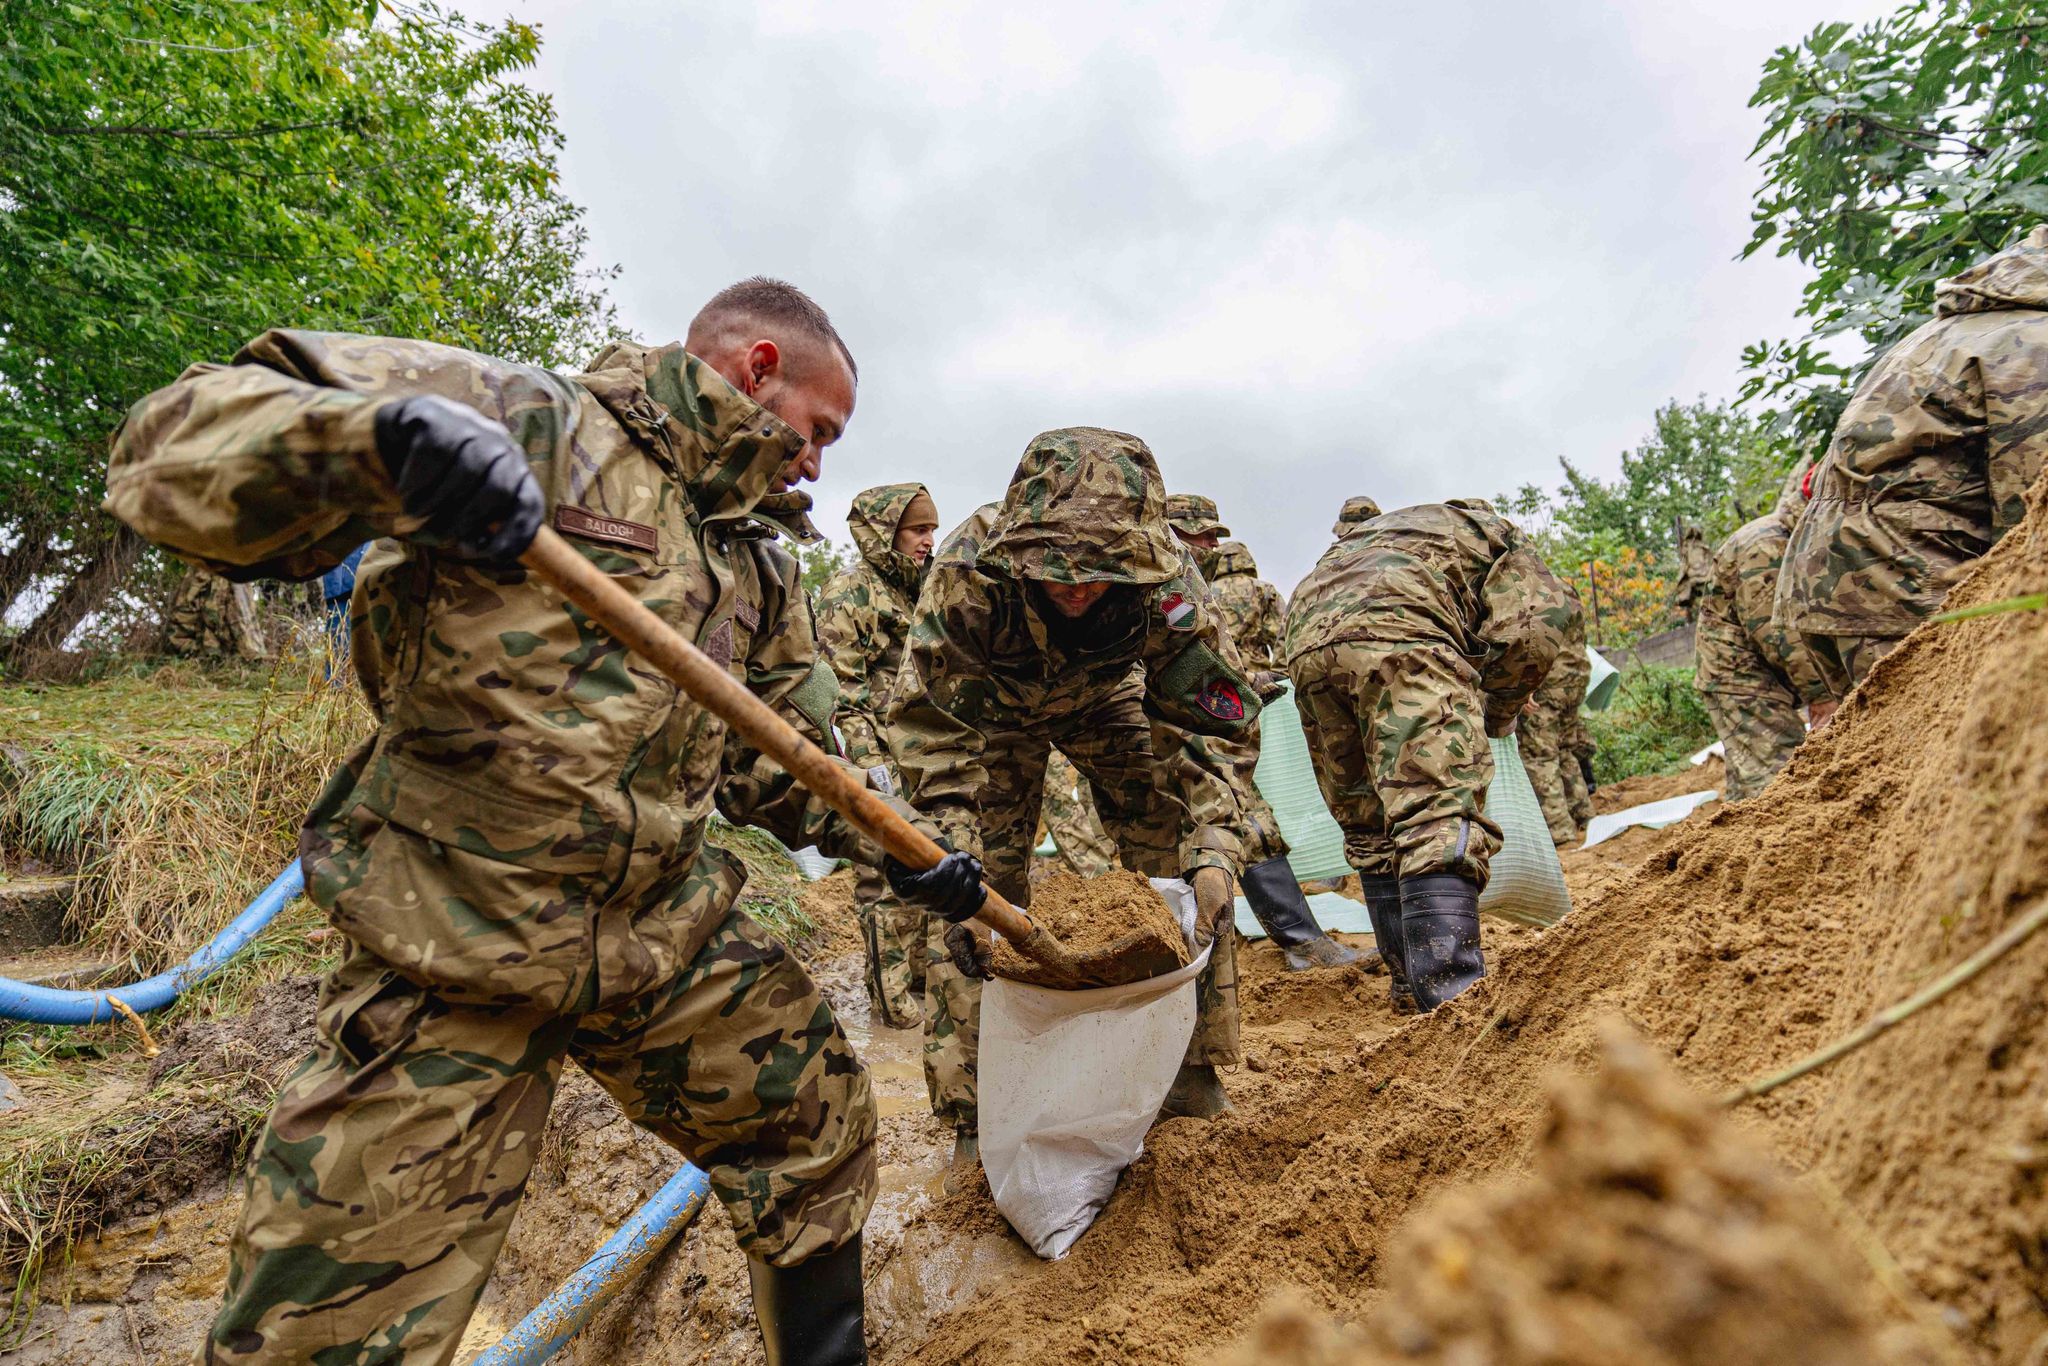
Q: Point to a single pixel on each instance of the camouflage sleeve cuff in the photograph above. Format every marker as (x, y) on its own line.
(1501, 711)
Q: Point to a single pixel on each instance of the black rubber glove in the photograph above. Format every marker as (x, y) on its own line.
(463, 473)
(1586, 771)
(950, 889)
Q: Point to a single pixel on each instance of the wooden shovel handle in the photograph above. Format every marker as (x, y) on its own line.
(613, 608)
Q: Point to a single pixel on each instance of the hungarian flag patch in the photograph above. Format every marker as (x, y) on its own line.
(1220, 698)
(1180, 613)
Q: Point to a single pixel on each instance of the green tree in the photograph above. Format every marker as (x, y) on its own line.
(821, 560)
(1894, 153)
(176, 177)
(1703, 464)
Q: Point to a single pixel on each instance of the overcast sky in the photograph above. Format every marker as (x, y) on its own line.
(1305, 251)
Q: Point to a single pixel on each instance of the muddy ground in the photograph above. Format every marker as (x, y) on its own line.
(1504, 1180)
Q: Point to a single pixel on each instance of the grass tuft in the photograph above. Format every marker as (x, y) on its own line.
(176, 796)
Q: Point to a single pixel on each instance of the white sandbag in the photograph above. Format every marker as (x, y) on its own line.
(1655, 815)
(1717, 748)
(812, 863)
(1527, 882)
(1069, 1083)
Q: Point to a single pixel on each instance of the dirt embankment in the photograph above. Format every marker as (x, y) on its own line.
(1651, 1230)
(1899, 840)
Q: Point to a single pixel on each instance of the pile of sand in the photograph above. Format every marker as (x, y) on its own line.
(1900, 839)
(1653, 1233)
(1119, 916)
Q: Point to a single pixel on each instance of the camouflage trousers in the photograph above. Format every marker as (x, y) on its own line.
(1258, 834)
(209, 617)
(952, 1031)
(1754, 707)
(381, 1191)
(894, 933)
(1578, 744)
(1397, 735)
(1069, 813)
(1111, 747)
(1844, 660)
(1552, 770)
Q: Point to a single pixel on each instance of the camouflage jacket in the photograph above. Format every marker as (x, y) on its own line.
(1932, 457)
(509, 726)
(864, 617)
(1253, 612)
(1451, 573)
(1744, 591)
(1571, 673)
(1084, 506)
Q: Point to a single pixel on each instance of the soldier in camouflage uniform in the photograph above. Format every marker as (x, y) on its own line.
(1069, 616)
(211, 618)
(517, 854)
(1069, 815)
(1755, 676)
(1549, 725)
(864, 614)
(1253, 617)
(1929, 466)
(1253, 609)
(1417, 635)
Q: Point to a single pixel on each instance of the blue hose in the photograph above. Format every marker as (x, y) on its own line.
(555, 1319)
(561, 1315)
(48, 1005)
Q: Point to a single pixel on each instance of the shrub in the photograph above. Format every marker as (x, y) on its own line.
(1657, 721)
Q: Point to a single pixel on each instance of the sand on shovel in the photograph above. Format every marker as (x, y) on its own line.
(1117, 928)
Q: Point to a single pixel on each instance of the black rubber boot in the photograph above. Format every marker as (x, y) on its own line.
(810, 1313)
(1197, 1094)
(1440, 936)
(1282, 911)
(1383, 904)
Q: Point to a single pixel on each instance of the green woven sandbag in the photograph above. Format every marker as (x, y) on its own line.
(1527, 882)
(1606, 678)
(1287, 780)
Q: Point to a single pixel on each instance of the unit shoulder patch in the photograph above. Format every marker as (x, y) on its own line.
(1220, 698)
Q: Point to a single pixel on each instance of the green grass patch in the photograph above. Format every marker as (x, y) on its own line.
(774, 883)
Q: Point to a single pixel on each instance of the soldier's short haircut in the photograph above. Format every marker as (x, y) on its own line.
(759, 306)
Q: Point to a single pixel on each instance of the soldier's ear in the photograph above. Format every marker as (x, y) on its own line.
(764, 362)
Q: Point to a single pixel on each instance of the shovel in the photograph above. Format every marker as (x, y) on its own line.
(640, 630)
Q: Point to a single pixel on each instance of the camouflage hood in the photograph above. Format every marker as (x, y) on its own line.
(873, 520)
(1232, 559)
(2015, 278)
(1085, 506)
(725, 448)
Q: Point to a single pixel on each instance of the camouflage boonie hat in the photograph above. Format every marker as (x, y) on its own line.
(1086, 505)
(1193, 515)
(1355, 512)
